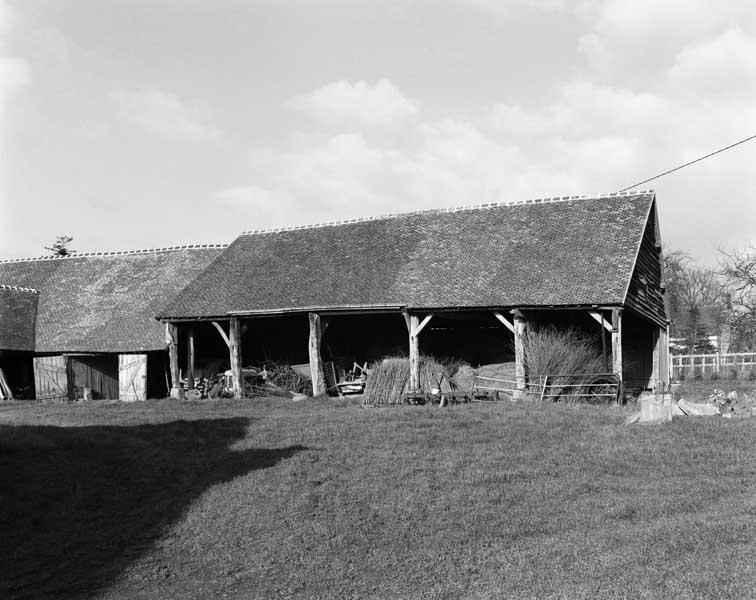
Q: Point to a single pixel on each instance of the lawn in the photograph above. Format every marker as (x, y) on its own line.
(273, 499)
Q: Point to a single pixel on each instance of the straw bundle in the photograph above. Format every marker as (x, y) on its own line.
(389, 379)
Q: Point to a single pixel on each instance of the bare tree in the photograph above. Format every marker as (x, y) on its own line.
(59, 247)
(739, 270)
(698, 304)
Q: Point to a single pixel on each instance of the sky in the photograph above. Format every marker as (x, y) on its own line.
(131, 124)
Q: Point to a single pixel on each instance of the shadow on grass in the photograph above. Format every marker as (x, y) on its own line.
(79, 504)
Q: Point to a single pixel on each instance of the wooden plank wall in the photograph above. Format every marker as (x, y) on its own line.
(132, 377)
(99, 373)
(51, 378)
(645, 293)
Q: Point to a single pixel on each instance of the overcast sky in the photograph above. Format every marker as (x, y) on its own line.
(145, 123)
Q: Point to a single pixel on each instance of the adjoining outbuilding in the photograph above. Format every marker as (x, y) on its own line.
(83, 324)
(465, 282)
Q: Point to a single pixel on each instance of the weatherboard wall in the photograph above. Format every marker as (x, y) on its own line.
(645, 292)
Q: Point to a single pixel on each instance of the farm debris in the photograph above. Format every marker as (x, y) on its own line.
(268, 379)
(734, 405)
(693, 409)
(353, 381)
(655, 409)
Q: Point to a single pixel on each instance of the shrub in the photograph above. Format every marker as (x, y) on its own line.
(567, 357)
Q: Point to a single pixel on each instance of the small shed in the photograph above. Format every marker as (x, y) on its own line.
(83, 324)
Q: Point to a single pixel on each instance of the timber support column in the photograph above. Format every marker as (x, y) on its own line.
(414, 327)
(414, 354)
(190, 358)
(661, 360)
(171, 338)
(234, 347)
(316, 360)
(520, 329)
(617, 343)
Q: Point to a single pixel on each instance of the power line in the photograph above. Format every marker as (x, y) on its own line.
(635, 185)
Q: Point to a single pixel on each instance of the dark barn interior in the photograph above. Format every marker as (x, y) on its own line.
(18, 368)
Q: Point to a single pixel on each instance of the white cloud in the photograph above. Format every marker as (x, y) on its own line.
(666, 83)
(633, 42)
(14, 73)
(722, 65)
(359, 104)
(589, 138)
(165, 114)
(643, 20)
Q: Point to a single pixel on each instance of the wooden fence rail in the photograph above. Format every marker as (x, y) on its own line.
(738, 364)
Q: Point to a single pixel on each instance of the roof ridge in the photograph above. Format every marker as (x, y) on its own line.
(449, 210)
(114, 253)
(18, 288)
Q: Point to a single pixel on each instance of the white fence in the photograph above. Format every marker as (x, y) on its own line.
(739, 364)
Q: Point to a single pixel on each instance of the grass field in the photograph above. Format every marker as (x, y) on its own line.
(273, 499)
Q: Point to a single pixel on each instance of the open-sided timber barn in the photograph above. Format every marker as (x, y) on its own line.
(86, 321)
(465, 283)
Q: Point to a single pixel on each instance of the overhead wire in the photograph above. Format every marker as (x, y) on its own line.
(687, 164)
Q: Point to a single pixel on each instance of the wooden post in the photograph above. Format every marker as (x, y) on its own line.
(316, 361)
(663, 345)
(617, 342)
(414, 353)
(234, 348)
(190, 358)
(520, 329)
(171, 338)
(655, 380)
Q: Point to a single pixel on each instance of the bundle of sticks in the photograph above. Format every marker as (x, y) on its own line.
(389, 379)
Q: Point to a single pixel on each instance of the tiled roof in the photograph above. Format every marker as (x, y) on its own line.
(105, 302)
(561, 251)
(18, 312)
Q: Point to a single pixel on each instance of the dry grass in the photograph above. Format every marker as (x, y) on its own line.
(273, 499)
(567, 357)
(389, 378)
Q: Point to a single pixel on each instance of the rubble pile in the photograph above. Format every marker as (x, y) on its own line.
(658, 408)
(734, 405)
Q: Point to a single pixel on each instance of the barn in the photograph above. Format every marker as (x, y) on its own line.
(466, 282)
(85, 322)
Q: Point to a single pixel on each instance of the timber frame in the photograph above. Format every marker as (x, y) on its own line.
(608, 321)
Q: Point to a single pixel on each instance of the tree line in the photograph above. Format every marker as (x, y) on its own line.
(719, 301)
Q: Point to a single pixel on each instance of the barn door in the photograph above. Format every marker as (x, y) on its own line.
(51, 378)
(132, 377)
